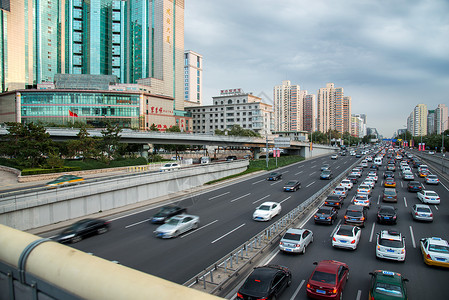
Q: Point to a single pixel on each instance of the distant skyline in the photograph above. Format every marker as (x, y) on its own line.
(388, 56)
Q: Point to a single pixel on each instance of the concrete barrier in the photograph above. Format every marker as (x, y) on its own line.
(45, 207)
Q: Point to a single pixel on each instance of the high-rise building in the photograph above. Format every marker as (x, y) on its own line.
(417, 121)
(333, 109)
(431, 122)
(193, 78)
(135, 40)
(358, 125)
(441, 118)
(288, 105)
(309, 113)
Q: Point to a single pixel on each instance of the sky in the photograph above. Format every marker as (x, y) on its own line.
(387, 55)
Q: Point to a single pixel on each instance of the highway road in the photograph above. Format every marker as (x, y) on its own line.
(425, 282)
(226, 223)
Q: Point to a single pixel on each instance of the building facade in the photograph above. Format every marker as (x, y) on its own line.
(288, 107)
(417, 125)
(309, 112)
(441, 118)
(193, 78)
(232, 107)
(431, 122)
(333, 109)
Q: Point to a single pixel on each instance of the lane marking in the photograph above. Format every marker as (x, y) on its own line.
(228, 233)
(312, 173)
(240, 197)
(402, 184)
(310, 184)
(218, 195)
(285, 199)
(134, 224)
(413, 237)
(313, 166)
(359, 295)
(199, 228)
(335, 228)
(300, 166)
(337, 167)
(261, 199)
(285, 172)
(372, 233)
(297, 290)
(405, 201)
(276, 182)
(378, 200)
(298, 173)
(444, 186)
(436, 207)
(258, 181)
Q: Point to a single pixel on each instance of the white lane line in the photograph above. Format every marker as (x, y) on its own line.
(337, 167)
(276, 182)
(310, 184)
(300, 166)
(378, 200)
(240, 197)
(297, 290)
(444, 186)
(258, 181)
(382, 183)
(313, 166)
(228, 233)
(134, 224)
(372, 233)
(285, 199)
(298, 173)
(436, 207)
(359, 295)
(218, 195)
(261, 199)
(412, 237)
(405, 201)
(335, 228)
(312, 173)
(285, 172)
(202, 227)
(402, 185)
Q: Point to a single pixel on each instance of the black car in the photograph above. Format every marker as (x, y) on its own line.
(387, 214)
(355, 215)
(414, 186)
(334, 201)
(231, 158)
(326, 174)
(292, 186)
(326, 214)
(82, 229)
(274, 176)
(388, 174)
(167, 212)
(267, 282)
(353, 179)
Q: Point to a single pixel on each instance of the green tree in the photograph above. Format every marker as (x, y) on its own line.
(110, 141)
(153, 127)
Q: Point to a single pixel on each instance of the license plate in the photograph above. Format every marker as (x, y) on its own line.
(386, 218)
(389, 250)
(343, 241)
(353, 219)
(287, 249)
(322, 218)
(440, 259)
(321, 291)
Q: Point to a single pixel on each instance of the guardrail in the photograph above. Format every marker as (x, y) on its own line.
(214, 278)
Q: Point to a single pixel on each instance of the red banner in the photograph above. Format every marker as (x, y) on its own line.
(72, 114)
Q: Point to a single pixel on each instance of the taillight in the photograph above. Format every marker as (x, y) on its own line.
(240, 296)
(353, 242)
(416, 214)
(428, 256)
(334, 239)
(281, 243)
(315, 216)
(308, 285)
(334, 291)
(362, 218)
(431, 215)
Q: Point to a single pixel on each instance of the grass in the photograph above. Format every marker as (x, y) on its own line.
(261, 165)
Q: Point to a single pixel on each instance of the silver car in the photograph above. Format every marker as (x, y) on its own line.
(296, 240)
(177, 225)
(422, 212)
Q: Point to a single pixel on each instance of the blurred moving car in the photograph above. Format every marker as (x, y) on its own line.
(274, 176)
(387, 285)
(296, 240)
(435, 251)
(408, 176)
(325, 167)
(177, 225)
(387, 214)
(325, 214)
(82, 229)
(231, 158)
(346, 236)
(170, 167)
(326, 174)
(328, 280)
(335, 156)
(432, 179)
(426, 196)
(292, 186)
(166, 212)
(64, 180)
(390, 245)
(267, 282)
(266, 211)
(422, 212)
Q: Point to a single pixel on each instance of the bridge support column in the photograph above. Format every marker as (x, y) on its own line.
(256, 153)
(144, 150)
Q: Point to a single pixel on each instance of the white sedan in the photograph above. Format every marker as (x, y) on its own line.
(177, 225)
(430, 197)
(346, 236)
(347, 184)
(266, 211)
(340, 191)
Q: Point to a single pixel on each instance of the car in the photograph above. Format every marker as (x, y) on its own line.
(422, 212)
(431, 152)
(328, 280)
(390, 245)
(64, 180)
(362, 200)
(388, 174)
(389, 195)
(292, 186)
(364, 164)
(326, 174)
(408, 176)
(355, 215)
(391, 167)
(231, 158)
(387, 285)
(347, 184)
(422, 167)
(334, 201)
(325, 167)
(340, 191)
(435, 251)
(364, 189)
(296, 240)
(357, 172)
(177, 225)
(372, 177)
(389, 182)
(274, 176)
(423, 173)
(166, 212)
(266, 211)
(414, 186)
(266, 282)
(343, 153)
(387, 214)
(346, 236)
(82, 229)
(426, 196)
(170, 167)
(325, 214)
(335, 156)
(354, 179)
(370, 182)
(432, 179)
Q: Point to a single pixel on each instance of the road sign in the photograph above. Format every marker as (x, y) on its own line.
(280, 142)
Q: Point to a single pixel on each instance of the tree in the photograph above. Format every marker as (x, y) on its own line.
(237, 130)
(110, 140)
(153, 127)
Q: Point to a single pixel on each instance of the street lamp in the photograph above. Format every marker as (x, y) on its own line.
(442, 145)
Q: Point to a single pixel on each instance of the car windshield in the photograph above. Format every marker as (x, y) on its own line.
(167, 165)
(388, 289)
(264, 207)
(323, 211)
(345, 231)
(390, 193)
(431, 177)
(324, 277)
(354, 213)
(439, 248)
(292, 236)
(173, 222)
(326, 172)
(423, 209)
(291, 183)
(391, 243)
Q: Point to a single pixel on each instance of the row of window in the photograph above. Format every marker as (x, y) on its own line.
(222, 120)
(229, 114)
(51, 111)
(82, 98)
(221, 127)
(221, 108)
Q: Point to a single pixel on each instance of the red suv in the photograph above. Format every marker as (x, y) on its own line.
(328, 280)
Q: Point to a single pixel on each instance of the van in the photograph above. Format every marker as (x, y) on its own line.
(205, 160)
(378, 161)
(355, 215)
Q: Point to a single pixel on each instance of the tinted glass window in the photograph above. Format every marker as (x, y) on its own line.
(256, 284)
(324, 277)
(292, 236)
(391, 243)
(353, 213)
(344, 231)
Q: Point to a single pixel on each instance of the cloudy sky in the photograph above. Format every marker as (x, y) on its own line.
(388, 55)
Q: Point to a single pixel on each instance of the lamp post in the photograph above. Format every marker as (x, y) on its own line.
(442, 145)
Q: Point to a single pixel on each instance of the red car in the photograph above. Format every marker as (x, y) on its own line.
(328, 280)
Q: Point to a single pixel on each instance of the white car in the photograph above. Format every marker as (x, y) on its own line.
(335, 156)
(177, 225)
(426, 196)
(370, 182)
(340, 191)
(347, 184)
(364, 189)
(346, 236)
(362, 200)
(170, 167)
(390, 245)
(435, 251)
(296, 240)
(266, 211)
(408, 176)
(373, 176)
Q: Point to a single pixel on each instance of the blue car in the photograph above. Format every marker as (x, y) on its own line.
(326, 174)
